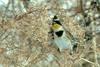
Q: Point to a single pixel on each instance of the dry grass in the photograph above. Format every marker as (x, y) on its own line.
(24, 41)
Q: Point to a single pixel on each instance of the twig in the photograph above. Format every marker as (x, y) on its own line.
(13, 8)
(94, 43)
(87, 61)
(5, 35)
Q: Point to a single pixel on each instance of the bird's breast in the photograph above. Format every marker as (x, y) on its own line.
(59, 33)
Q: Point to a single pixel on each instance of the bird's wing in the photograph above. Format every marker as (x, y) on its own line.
(68, 34)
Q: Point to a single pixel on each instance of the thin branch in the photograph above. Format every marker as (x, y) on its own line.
(94, 43)
(13, 8)
(87, 61)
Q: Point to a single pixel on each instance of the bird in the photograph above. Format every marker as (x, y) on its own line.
(61, 37)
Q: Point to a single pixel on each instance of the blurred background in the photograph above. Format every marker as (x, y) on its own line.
(24, 27)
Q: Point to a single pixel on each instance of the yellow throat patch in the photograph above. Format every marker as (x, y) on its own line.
(55, 26)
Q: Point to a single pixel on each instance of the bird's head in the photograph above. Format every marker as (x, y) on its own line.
(56, 23)
(56, 20)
